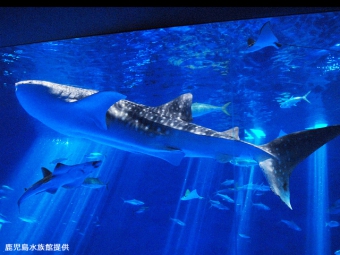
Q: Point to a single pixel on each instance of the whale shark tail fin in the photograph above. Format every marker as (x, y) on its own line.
(290, 150)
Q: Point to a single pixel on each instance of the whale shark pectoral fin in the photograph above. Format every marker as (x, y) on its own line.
(98, 104)
(174, 157)
(51, 190)
(277, 178)
(224, 158)
(74, 184)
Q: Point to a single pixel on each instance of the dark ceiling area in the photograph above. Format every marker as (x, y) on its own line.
(25, 25)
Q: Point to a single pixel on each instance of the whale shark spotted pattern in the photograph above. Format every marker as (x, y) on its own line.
(165, 132)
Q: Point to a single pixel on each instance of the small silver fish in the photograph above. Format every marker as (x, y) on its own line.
(291, 224)
(332, 224)
(220, 206)
(243, 162)
(225, 197)
(3, 219)
(294, 100)
(94, 183)
(261, 206)
(179, 222)
(243, 236)
(95, 156)
(133, 202)
(199, 109)
(142, 209)
(28, 219)
(6, 187)
(227, 182)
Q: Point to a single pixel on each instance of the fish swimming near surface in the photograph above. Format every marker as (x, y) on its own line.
(191, 195)
(199, 109)
(66, 176)
(93, 183)
(293, 101)
(166, 131)
(265, 39)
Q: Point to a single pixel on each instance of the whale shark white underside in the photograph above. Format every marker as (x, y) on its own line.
(165, 131)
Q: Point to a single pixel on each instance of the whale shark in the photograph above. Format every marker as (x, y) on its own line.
(166, 131)
(66, 176)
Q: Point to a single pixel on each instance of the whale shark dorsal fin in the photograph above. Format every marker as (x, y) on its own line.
(46, 172)
(98, 104)
(233, 132)
(179, 108)
(187, 193)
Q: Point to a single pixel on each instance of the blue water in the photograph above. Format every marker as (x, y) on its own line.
(153, 67)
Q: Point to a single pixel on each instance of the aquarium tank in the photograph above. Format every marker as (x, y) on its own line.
(216, 138)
